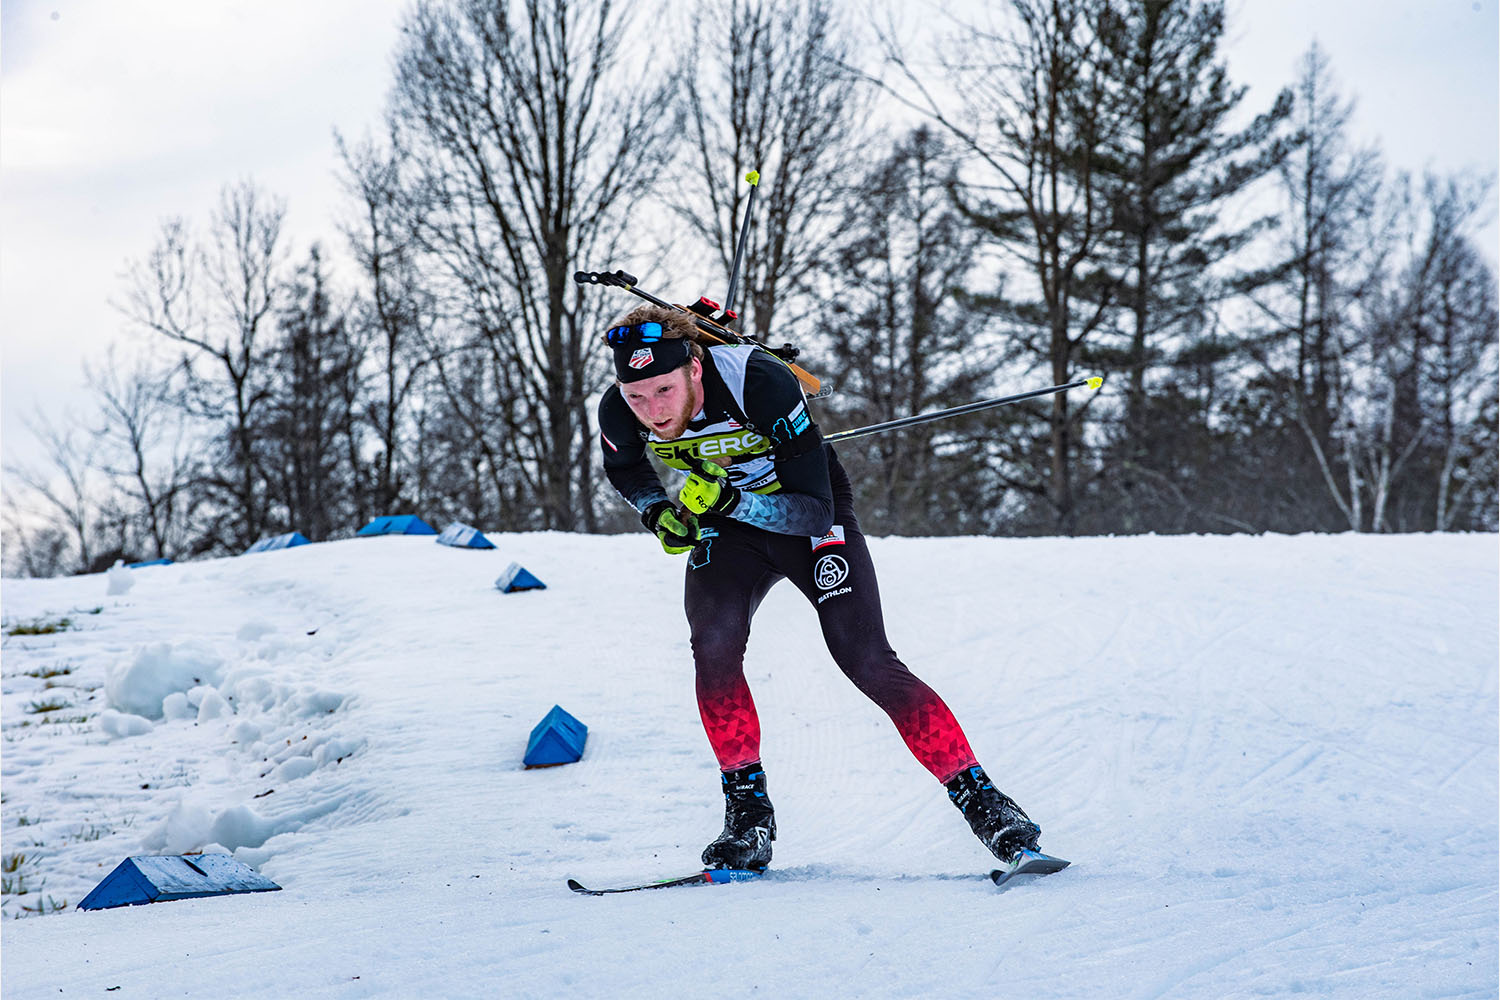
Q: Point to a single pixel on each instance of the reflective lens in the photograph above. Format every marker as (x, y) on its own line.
(645, 333)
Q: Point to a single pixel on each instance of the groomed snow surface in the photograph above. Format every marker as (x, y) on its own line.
(1272, 760)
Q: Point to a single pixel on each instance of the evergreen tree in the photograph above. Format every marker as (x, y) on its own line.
(1176, 170)
(308, 437)
(904, 338)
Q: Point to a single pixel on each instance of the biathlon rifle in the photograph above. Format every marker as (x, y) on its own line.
(707, 315)
(711, 319)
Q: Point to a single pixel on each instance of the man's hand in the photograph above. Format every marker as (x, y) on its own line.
(707, 490)
(678, 532)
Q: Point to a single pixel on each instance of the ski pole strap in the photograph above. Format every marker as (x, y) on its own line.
(954, 411)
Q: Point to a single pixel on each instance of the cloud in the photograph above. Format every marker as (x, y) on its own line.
(115, 115)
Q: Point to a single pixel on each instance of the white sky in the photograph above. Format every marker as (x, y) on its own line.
(115, 114)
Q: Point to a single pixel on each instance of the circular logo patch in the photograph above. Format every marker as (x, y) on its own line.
(829, 572)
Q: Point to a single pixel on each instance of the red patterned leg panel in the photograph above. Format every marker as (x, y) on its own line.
(935, 737)
(731, 722)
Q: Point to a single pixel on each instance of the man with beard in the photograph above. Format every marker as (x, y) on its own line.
(766, 499)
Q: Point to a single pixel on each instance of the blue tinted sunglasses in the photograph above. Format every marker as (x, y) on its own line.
(645, 333)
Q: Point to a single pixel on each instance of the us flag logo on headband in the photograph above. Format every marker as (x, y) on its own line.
(641, 358)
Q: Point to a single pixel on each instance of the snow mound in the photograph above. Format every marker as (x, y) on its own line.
(118, 579)
(254, 629)
(161, 669)
(113, 723)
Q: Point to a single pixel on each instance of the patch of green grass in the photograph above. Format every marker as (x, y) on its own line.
(47, 705)
(44, 906)
(41, 627)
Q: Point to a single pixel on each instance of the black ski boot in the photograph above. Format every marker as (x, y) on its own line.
(749, 822)
(995, 818)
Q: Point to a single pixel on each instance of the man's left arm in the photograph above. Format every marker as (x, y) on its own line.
(804, 503)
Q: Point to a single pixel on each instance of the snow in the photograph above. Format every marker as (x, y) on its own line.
(1272, 760)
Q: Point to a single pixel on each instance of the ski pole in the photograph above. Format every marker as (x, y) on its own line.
(753, 177)
(953, 411)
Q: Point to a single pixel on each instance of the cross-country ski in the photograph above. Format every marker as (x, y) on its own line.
(713, 876)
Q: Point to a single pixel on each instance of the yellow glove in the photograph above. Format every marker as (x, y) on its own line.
(707, 490)
(678, 532)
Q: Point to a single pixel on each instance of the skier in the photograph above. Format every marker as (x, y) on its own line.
(766, 499)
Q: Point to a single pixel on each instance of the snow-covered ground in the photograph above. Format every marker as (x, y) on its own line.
(1272, 760)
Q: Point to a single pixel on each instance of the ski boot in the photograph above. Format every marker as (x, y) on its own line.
(995, 818)
(749, 822)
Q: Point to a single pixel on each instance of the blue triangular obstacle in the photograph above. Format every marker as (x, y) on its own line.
(461, 536)
(557, 739)
(273, 542)
(515, 578)
(397, 524)
(157, 879)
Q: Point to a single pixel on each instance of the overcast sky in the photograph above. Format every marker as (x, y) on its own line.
(115, 114)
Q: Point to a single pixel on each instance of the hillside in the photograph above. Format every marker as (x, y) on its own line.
(1273, 761)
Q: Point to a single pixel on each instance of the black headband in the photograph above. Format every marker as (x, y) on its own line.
(635, 360)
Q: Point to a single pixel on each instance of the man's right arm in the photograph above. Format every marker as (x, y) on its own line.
(625, 462)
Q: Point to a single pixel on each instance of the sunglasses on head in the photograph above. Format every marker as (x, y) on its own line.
(645, 333)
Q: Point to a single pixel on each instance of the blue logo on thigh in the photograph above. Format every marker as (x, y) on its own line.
(701, 555)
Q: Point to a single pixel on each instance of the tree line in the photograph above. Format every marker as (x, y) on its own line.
(1294, 336)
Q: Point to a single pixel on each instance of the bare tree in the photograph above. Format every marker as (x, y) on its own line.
(65, 491)
(1430, 365)
(773, 92)
(31, 548)
(396, 311)
(1462, 369)
(1333, 190)
(145, 449)
(1040, 112)
(215, 298)
(526, 148)
(1338, 241)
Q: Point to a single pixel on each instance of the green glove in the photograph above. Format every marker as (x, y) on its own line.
(678, 531)
(708, 490)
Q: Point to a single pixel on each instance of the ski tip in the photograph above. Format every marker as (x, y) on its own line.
(576, 886)
(753, 178)
(1029, 863)
(1096, 382)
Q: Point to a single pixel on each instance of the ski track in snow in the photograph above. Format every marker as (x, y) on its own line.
(1273, 761)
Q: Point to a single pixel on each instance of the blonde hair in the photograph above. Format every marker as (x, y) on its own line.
(675, 325)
